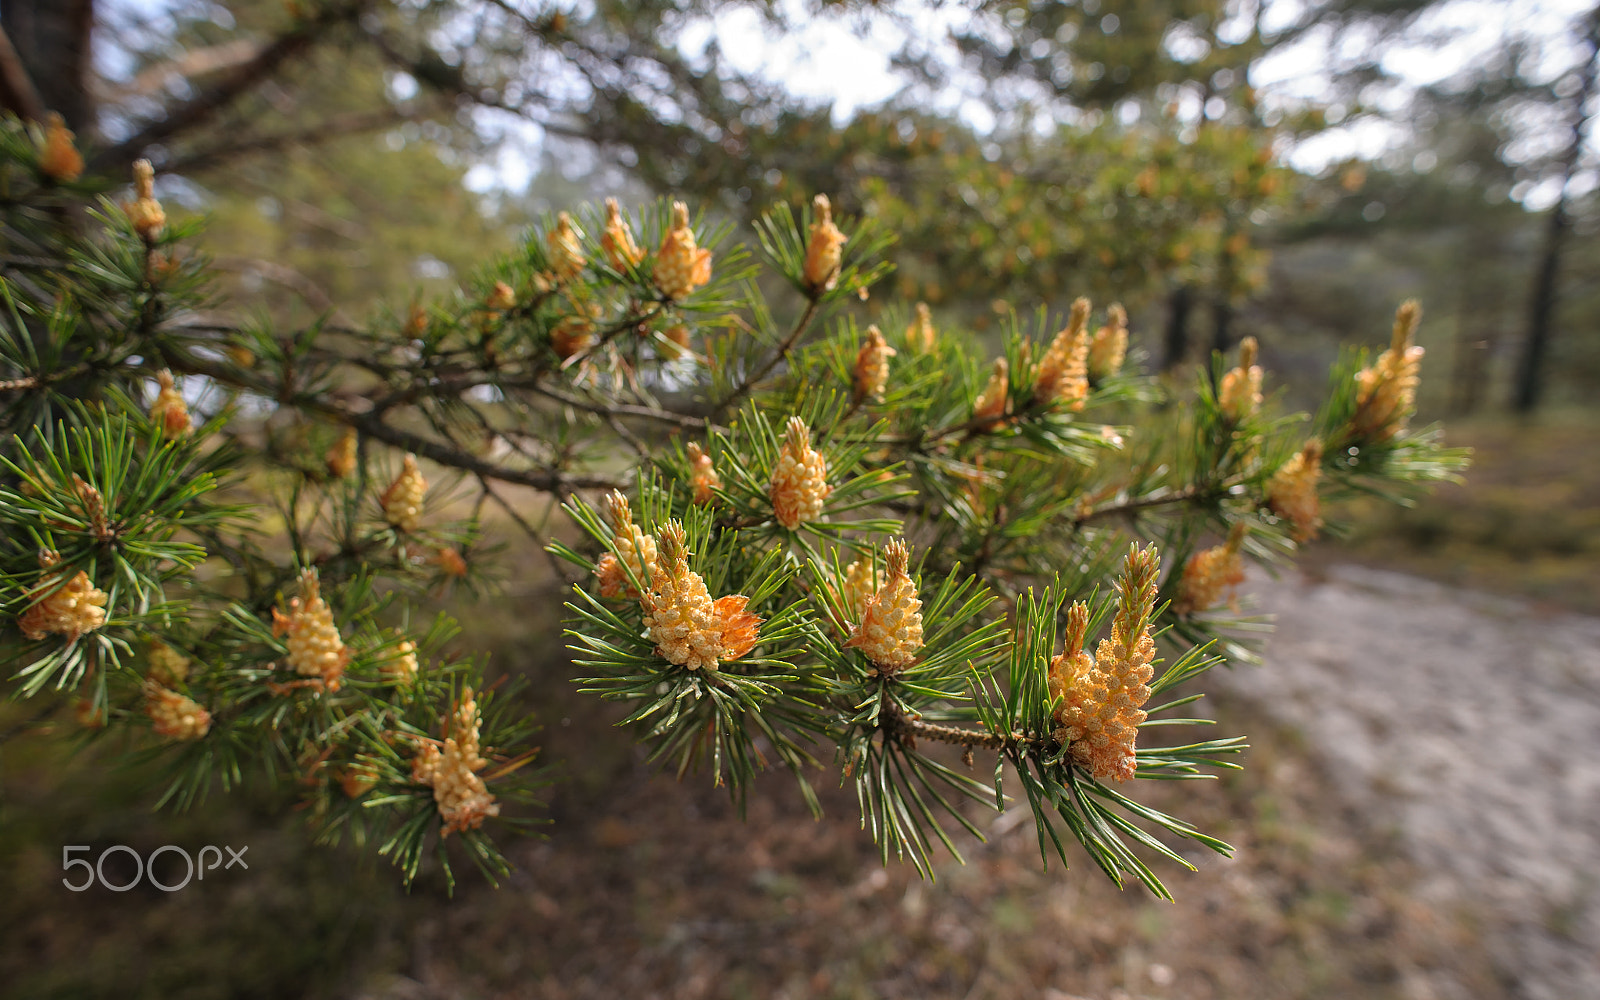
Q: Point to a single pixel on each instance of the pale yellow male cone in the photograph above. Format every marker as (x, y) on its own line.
(687, 626)
(59, 160)
(871, 373)
(1063, 375)
(799, 485)
(451, 770)
(1239, 392)
(403, 501)
(1386, 392)
(681, 265)
(617, 240)
(1102, 697)
(890, 631)
(1210, 573)
(824, 249)
(566, 248)
(1292, 491)
(69, 609)
(173, 715)
(316, 649)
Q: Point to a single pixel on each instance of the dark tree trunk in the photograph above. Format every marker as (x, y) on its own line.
(1542, 301)
(1221, 324)
(51, 40)
(1176, 342)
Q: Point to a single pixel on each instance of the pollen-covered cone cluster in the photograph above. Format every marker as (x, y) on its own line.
(890, 631)
(402, 501)
(991, 402)
(144, 211)
(1103, 696)
(315, 647)
(1239, 392)
(1063, 378)
(68, 610)
(871, 372)
(169, 410)
(800, 482)
(1211, 573)
(702, 475)
(920, 335)
(824, 248)
(1292, 491)
(1108, 349)
(59, 160)
(464, 801)
(1387, 391)
(681, 265)
(617, 240)
(687, 626)
(566, 248)
(174, 715)
(341, 458)
(637, 550)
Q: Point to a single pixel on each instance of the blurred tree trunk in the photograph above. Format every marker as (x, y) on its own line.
(1530, 374)
(51, 41)
(1176, 342)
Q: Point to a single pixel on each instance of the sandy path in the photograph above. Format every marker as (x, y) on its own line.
(1472, 723)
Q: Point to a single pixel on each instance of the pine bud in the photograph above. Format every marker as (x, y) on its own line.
(1102, 696)
(146, 214)
(69, 610)
(637, 551)
(1211, 572)
(401, 667)
(566, 249)
(800, 482)
(416, 321)
(501, 297)
(617, 241)
(1109, 347)
(1063, 377)
(991, 402)
(59, 160)
(169, 410)
(1387, 391)
(572, 335)
(890, 632)
(341, 458)
(173, 715)
(463, 799)
(167, 665)
(871, 373)
(355, 782)
(702, 476)
(1292, 491)
(1239, 392)
(315, 648)
(687, 626)
(450, 562)
(402, 501)
(824, 251)
(920, 335)
(681, 266)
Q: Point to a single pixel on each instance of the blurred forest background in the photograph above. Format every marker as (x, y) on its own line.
(1283, 169)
